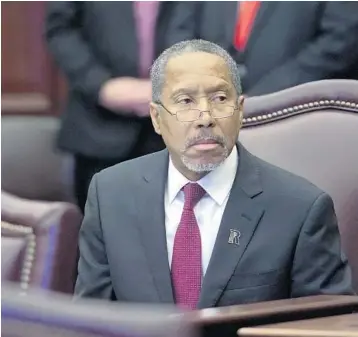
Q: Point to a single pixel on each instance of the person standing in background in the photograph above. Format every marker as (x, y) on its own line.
(278, 44)
(105, 50)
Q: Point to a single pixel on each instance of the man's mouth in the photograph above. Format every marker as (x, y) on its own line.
(205, 144)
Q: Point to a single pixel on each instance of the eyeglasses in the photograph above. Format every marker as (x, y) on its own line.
(191, 115)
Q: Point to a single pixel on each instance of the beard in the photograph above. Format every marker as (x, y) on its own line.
(209, 161)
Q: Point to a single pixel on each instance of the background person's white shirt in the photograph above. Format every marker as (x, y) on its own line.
(208, 211)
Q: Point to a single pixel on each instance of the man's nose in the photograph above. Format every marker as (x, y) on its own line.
(206, 119)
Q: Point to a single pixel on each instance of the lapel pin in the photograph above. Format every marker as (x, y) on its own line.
(234, 237)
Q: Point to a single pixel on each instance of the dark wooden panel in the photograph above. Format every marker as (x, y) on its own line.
(30, 81)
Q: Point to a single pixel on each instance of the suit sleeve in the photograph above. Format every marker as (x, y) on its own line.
(70, 50)
(332, 53)
(319, 265)
(93, 270)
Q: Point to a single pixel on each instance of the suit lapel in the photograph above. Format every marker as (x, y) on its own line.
(152, 225)
(263, 14)
(242, 213)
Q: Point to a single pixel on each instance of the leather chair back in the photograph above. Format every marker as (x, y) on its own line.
(51, 257)
(312, 131)
(32, 167)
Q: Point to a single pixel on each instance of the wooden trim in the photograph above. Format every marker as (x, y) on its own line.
(25, 103)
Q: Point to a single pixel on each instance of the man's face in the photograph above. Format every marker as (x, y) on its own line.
(198, 88)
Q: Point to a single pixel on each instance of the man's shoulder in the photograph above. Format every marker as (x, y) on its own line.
(279, 181)
(131, 171)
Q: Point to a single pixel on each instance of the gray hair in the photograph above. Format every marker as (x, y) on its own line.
(157, 72)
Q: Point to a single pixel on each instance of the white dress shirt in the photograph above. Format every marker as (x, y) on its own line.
(208, 211)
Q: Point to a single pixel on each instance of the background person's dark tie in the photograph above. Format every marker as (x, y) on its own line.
(186, 266)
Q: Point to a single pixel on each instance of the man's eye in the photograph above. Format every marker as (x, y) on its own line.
(219, 99)
(185, 101)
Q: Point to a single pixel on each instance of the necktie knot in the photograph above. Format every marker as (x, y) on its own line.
(193, 192)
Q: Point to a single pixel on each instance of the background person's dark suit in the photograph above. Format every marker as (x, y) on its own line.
(93, 42)
(290, 42)
(289, 244)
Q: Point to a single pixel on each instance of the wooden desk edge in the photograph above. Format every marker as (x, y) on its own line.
(330, 326)
(263, 332)
(221, 315)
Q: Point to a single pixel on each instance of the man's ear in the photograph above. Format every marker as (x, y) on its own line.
(155, 117)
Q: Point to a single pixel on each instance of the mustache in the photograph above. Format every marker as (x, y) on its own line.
(205, 135)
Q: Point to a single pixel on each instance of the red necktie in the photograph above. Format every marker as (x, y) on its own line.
(244, 22)
(186, 262)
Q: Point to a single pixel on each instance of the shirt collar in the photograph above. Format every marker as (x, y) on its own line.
(217, 183)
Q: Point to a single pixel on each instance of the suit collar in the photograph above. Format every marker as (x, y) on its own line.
(248, 177)
(158, 164)
(151, 223)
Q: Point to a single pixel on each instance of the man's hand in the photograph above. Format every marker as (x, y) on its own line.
(127, 94)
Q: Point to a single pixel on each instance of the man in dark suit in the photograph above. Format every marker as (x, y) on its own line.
(278, 44)
(105, 50)
(205, 223)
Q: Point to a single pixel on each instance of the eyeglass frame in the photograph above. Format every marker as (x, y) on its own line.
(201, 112)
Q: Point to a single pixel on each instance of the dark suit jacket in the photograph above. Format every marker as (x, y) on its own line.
(290, 43)
(289, 244)
(93, 41)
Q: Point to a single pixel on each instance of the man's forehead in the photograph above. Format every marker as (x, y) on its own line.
(199, 63)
